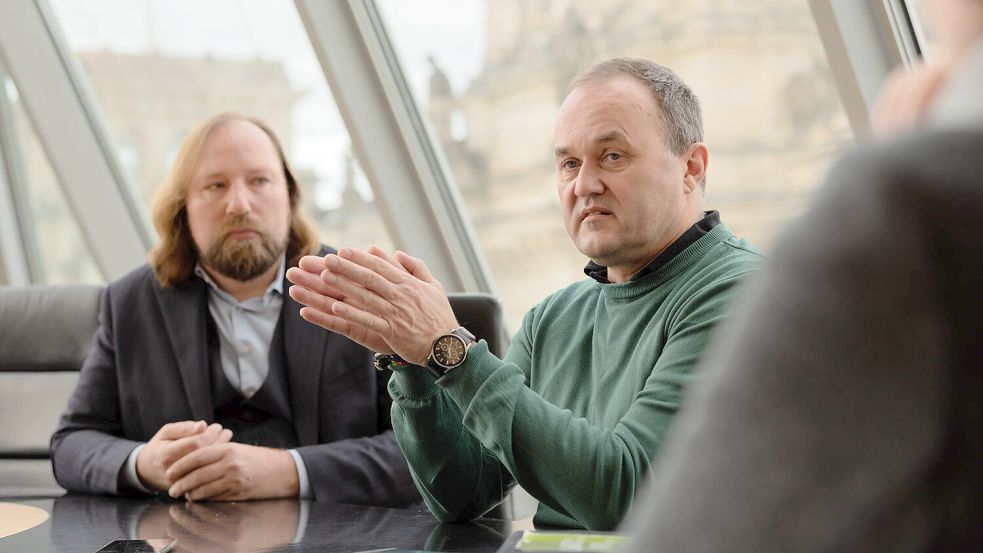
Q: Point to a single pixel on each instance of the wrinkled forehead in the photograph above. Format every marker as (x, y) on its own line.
(237, 145)
(603, 108)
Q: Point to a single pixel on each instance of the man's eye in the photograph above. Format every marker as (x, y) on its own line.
(569, 164)
(614, 156)
(261, 180)
(215, 186)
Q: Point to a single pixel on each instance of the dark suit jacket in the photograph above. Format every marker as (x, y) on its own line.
(842, 406)
(149, 366)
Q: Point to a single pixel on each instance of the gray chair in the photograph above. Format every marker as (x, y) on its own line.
(482, 315)
(45, 334)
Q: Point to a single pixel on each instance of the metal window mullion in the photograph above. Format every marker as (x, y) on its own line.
(412, 187)
(18, 243)
(903, 30)
(440, 186)
(66, 121)
(861, 41)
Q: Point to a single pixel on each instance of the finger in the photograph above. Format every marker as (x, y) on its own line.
(328, 321)
(415, 267)
(313, 264)
(361, 318)
(224, 437)
(311, 298)
(312, 282)
(192, 518)
(194, 460)
(193, 541)
(183, 446)
(356, 295)
(363, 336)
(202, 474)
(221, 488)
(358, 274)
(374, 263)
(383, 255)
(176, 430)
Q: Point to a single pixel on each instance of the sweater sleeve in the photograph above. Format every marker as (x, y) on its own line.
(458, 478)
(561, 459)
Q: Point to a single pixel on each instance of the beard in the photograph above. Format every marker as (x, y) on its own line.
(243, 259)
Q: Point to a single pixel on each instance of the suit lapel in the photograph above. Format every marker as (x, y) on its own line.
(304, 349)
(184, 310)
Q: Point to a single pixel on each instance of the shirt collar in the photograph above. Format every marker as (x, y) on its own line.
(275, 287)
(710, 219)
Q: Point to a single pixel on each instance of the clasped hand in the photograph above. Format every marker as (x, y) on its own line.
(389, 304)
(197, 461)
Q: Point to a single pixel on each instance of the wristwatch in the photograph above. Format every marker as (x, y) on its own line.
(449, 351)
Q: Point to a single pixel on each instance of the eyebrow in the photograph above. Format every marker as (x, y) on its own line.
(251, 171)
(609, 136)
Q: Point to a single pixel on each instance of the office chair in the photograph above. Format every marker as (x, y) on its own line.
(46, 334)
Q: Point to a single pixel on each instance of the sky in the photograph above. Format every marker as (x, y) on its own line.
(450, 30)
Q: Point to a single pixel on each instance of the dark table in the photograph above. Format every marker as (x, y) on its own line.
(82, 523)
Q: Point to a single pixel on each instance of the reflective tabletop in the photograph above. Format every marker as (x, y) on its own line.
(84, 524)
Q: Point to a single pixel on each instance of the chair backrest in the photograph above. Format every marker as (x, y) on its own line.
(482, 315)
(45, 334)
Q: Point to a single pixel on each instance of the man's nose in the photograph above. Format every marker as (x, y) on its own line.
(238, 200)
(588, 181)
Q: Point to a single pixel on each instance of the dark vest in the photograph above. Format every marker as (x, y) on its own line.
(266, 418)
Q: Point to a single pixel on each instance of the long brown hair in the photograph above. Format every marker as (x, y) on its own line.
(173, 258)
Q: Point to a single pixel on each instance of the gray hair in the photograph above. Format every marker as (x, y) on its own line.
(680, 108)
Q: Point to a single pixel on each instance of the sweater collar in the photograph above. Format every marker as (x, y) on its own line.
(703, 226)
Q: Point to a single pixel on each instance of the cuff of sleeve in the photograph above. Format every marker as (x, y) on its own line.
(303, 481)
(463, 382)
(130, 471)
(412, 382)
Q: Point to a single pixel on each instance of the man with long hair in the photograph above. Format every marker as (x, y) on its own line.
(203, 381)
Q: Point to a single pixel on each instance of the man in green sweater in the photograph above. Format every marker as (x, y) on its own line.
(576, 411)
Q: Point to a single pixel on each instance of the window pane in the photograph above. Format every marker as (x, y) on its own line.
(928, 41)
(160, 68)
(65, 257)
(491, 76)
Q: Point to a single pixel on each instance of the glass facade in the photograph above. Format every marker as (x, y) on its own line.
(157, 69)
(491, 76)
(63, 253)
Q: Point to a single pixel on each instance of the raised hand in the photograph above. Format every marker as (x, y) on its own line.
(396, 298)
(310, 290)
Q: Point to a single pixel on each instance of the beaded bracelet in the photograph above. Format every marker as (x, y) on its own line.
(389, 361)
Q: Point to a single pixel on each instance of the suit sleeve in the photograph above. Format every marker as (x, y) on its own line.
(87, 450)
(364, 470)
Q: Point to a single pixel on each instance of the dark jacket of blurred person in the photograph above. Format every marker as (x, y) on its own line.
(843, 404)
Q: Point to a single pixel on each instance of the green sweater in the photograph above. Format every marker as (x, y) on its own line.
(579, 406)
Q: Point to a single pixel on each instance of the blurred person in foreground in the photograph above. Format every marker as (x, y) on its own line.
(842, 406)
(203, 382)
(578, 408)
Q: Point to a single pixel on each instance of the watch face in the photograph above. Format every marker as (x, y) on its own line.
(449, 350)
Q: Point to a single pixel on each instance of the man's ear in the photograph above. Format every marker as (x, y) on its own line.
(697, 159)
